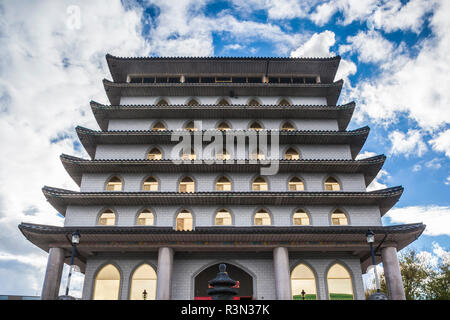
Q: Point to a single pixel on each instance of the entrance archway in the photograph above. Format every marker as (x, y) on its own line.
(244, 286)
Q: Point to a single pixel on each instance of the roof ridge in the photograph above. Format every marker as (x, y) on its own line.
(337, 57)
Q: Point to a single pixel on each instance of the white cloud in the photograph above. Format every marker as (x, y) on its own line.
(412, 85)
(365, 154)
(370, 46)
(408, 144)
(447, 181)
(376, 184)
(417, 167)
(442, 142)
(433, 163)
(52, 65)
(436, 218)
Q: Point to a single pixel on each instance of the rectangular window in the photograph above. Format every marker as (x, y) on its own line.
(208, 80)
(161, 80)
(239, 80)
(273, 80)
(136, 80)
(254, 79)
(223, 79)
(174, 80)
(192, 79)
(298, 80)
(285, 80)
(310, 80)
(149, 80)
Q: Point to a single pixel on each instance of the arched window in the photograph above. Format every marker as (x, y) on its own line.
(260, 184)
(193, 102)
(303, 280)
(187, 185)
(291, 154)
(284, 102)
(339, 283)
(188, 154)
(287, 126)
(254, 102)
(107, 284)
(339, 218)
(150, 184)
(145, 218)
(223, 126)
(162, 102)
(190, 126)
(223, 218)
(159, 126)
(114, 184)
(223, 184)
(184, 221)
(331, 184)
(301, 218)
(255, 125)
(257, 154)
(107, 218)
(224, 155)
(154, 154)
(296, 184)
(143, 278)
(262, 218)
(223, 102)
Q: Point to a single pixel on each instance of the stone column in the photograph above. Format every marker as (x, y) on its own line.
(52, 280)
(165, 271)
(394, 282)
(282, 274)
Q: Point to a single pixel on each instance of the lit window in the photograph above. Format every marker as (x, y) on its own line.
(159, 126)
(190, 126)
(114, 184)
(223, 102)
(189, 155)
(303, 280)
(223, 184)
(107, 284)
(287, 126)
(331, 184)
(339, 283)
(162, 102)
(150, 184)
(184, 221)
(255, 126)
(223, 218)
(262, 218)
(223, 126)
(260, 184)
(301, 218)
(254, 102)
(284, 102)
(143, 279)
(107, 218)
(257, 155)
(154, 154)
(145, 218)
(193, 102)
(339, 218)
(296, 184)
(187, 185)
(224, 155)
(291, 154)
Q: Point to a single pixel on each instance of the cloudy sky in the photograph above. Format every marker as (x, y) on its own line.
(395, 64)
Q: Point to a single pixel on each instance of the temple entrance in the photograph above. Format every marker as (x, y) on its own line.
(244, 285)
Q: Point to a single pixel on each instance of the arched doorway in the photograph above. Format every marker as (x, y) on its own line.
(245, 284)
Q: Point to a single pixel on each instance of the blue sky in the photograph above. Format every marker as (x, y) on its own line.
(395, 65)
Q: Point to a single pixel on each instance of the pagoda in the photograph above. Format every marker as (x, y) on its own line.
(155, 223)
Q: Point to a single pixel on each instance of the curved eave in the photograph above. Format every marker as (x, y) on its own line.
(103, 113)
(91, 138)
(121, 67)
(148, 238)
(61, 198)
(115, 90)
(76, 167)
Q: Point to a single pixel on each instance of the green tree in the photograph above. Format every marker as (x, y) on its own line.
(414, 274)
(438, 287)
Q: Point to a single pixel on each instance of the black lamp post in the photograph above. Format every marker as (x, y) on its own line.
(303, 294)
(378, 295)
(75, 240)
(144, 294)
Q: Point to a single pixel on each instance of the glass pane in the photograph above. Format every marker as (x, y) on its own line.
(107, 283)
(339, 283)
(144, 278)
(302, 279)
